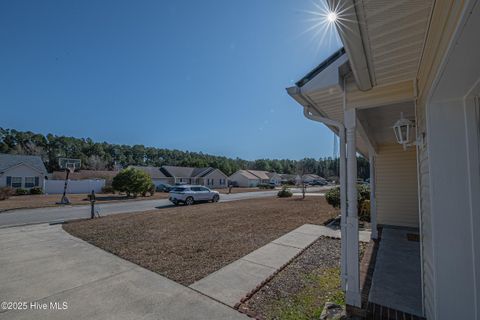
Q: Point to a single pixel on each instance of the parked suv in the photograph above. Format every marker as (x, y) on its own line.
(191, 194)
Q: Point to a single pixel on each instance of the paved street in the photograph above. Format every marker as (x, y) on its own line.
(43, 264)
(64, 213)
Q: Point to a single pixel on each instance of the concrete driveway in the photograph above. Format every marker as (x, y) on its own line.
(44, 266)
(64, 213)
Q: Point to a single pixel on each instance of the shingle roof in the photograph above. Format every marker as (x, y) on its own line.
(260, 174)
(289, 176)
(185, 172)
(246, 174)
(11, 160)
(153, 172)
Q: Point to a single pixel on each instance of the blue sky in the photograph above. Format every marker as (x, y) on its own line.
(192, 75)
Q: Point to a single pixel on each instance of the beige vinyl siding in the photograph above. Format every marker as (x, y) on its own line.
(396, 186)
(426, 215)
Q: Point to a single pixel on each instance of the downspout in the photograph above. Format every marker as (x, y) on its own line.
(311, 114)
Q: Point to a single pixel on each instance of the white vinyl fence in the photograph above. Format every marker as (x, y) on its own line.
(74, 186)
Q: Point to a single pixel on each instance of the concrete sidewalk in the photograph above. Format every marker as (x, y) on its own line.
(45, 264)
(234, 281)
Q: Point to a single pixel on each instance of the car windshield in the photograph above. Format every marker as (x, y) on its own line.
(177, 189)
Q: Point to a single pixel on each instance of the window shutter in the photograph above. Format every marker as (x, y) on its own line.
(37, 181)
(9, 181)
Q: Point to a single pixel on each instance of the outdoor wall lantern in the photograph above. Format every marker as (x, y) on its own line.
(403, 131)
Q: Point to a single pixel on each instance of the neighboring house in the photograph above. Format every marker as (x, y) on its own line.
(243, 178)
(158, 177)
(252, 178)
(209, 177)
(310, 178)
(19, 171)
(407, 64)
(291, 179)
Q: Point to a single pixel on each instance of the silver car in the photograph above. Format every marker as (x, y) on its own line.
(191, 194)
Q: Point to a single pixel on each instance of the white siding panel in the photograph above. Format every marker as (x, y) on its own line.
(397, 198)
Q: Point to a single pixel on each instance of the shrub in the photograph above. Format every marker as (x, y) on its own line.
(21, 192)
(364, 211)
(333, 197)
(108, 189)
(36, 190)
(6, 193)
(150, 190)
(284, 193)
(363, 197)
(266, 186)
(132, 181)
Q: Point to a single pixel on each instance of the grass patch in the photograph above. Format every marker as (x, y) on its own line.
(308, 302)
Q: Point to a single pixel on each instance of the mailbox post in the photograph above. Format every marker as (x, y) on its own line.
(91, 197)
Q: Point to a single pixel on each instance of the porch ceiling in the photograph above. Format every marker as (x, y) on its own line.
(378, 122)
(393, 33)
(383, 38)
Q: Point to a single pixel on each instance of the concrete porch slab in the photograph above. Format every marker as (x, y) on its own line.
(396, 281)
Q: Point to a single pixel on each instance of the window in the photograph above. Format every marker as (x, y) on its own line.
(16, 182)
(29, 182)
(222, 182)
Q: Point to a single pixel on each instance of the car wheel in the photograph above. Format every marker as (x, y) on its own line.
(215, 198)
(189, 201)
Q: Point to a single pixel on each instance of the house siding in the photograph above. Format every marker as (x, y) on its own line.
(215, 176)
(243, 181)
(396, 186)
(21, 171)
(426, 215)
(445, 17)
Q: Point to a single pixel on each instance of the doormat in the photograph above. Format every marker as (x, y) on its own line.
(413, 237)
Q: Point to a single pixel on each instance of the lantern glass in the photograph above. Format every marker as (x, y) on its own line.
(402, 130)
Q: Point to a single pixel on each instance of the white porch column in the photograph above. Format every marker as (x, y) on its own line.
(353, 297)
(373, 199)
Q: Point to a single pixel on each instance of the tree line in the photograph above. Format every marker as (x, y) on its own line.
(107, 156)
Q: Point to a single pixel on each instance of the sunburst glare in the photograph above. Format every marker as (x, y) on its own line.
(322, 24)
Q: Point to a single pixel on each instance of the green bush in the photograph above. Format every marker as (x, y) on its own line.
(21, 192)
(132, 181)
(108, 189)
(6, 193)
(36, 190)
(266, 186)
(333, 197)
(150, 190)
(284, 193)
(363, 197)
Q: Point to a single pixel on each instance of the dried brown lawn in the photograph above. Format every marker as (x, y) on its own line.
(189, 242)
(43, 201)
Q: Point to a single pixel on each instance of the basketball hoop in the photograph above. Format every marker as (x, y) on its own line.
(69, 165)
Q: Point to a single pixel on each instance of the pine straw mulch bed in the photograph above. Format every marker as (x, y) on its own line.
(187, 243)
